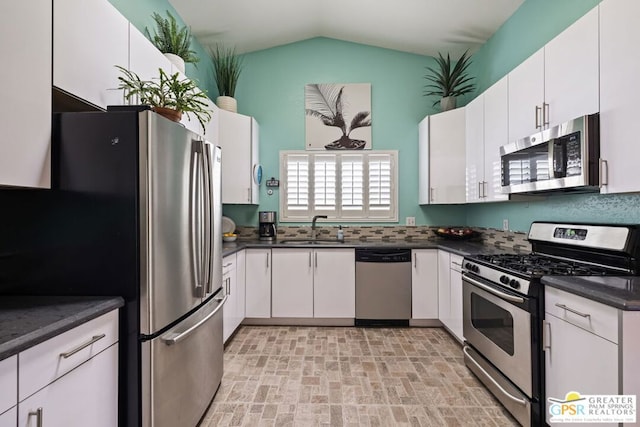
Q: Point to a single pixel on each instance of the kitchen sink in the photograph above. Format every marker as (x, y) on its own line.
(311, 242)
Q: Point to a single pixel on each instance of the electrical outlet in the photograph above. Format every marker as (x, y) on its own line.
(411, 220)
(505, 225)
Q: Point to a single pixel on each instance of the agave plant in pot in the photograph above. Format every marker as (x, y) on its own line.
(227, 67)
(168, 95)
(449, 81)
(173, 40)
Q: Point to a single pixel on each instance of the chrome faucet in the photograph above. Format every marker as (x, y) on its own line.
(313, 225)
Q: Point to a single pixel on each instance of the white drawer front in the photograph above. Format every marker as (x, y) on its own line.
(8, 383)
(44, 363)
(587, 314)
(228, 263)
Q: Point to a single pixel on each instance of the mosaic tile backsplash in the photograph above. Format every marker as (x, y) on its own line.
(507, 239)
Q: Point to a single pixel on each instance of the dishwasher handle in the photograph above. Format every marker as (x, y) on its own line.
(383, 255)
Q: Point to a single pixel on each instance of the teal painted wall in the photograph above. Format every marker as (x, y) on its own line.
(139, 13)
(271, 89)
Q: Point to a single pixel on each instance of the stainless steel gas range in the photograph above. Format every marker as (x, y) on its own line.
(503, 304)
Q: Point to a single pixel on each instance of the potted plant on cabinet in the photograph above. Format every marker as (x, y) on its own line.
(448, 82)
(172, 40)
(227, 67)
(167, 95)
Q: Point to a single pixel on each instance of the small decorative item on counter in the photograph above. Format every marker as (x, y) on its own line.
(340, 233)
(229, 237)
(462, 233)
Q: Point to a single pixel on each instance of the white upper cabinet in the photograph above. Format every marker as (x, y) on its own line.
(238, 137)
(571, 71)
(557, 83)
(25, 110)
(423, 161)
(90, 37)
(619, 94)
(444, 147)
(496, 130)
(144, 58)
(526, 97)
(475, 149)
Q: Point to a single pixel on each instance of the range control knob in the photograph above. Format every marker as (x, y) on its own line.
(504, 279)
(475, 268)
(514, 284)
(468, 266)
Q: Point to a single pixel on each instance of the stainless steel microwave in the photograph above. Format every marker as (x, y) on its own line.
(564, 157)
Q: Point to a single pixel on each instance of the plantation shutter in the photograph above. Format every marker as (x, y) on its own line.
(296, 185)
(324, 183)
(352, 185)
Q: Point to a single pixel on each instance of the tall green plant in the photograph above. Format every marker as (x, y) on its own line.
(227, 66)
(169, 37)
(166, 91)
(447, 80)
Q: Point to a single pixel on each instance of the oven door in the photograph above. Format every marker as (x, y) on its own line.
(496, 324)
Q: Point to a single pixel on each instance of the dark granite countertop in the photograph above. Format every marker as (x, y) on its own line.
(458, 247)
(618, 292)
(29, 320)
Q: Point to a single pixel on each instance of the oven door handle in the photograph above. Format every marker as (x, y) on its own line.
(493, 291)
(490, 378)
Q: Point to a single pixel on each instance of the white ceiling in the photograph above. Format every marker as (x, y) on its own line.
(418, 26)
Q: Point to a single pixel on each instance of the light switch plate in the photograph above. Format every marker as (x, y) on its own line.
(411, 220)
(505, 225)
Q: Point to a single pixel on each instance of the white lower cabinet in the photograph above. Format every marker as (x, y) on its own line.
(88, 395)
(334, 283)
(424, 284)
(258, 283)
(313, 283)
(577, 356)
(9, 418)
(450, 292)
(230, 284)
(292, 283)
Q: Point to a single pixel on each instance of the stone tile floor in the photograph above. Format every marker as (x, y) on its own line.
(332, 376)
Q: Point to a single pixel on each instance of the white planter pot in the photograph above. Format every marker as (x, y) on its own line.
(176, 60)
(227, 103)
(448, 103)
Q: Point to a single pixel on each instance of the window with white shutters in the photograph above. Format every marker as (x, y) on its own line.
(351, 185)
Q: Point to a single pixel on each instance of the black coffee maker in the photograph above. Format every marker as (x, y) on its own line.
(267, 228)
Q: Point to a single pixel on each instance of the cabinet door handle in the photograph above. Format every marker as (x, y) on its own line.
(485, 189)
(479, 189)
(93, 339)
(267, 260)
(564, 307)
(227, 265)
(415, 260)
(249, 194)
(431, 194)
(546, 335)
(604, 176)
(38, 414)
(315, 256)
(545, 114)
(309, 259)
(538, 125)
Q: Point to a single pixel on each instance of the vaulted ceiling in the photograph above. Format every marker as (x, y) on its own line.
(418, 26)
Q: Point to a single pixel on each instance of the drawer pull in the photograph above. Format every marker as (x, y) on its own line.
(227, 265)
(564, 307)
(93, 339)
(38, 414)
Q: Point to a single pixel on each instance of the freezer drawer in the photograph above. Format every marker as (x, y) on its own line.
(183, 368)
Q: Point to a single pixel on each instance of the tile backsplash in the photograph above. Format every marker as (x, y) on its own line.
(506, 239)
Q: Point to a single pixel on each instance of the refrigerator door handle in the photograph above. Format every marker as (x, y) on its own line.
(171, 337)
(208, 221)
(196, 260)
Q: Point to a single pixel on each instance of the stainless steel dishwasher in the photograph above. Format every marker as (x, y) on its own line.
(383, 287)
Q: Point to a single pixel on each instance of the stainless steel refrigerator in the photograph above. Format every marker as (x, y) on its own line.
(135, 211)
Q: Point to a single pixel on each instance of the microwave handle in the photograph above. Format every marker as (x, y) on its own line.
(538, 125)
